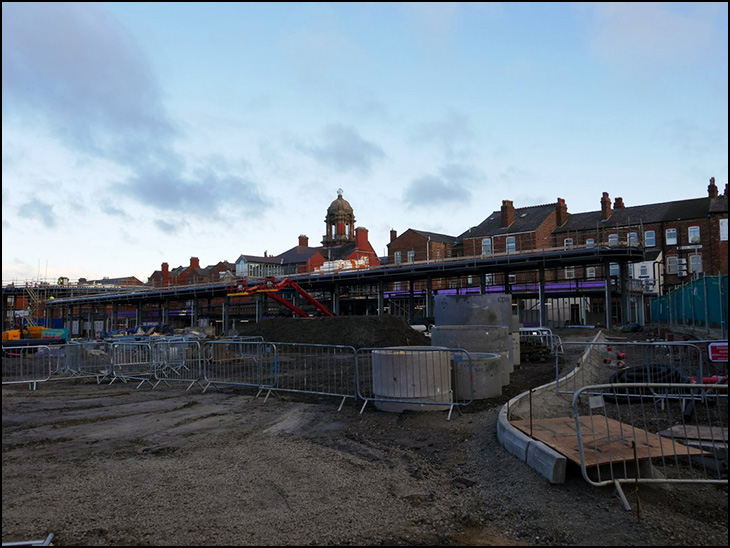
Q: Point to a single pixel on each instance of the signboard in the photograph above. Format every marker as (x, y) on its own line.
(717, 351)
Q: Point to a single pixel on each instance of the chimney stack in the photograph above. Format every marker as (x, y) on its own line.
(303, 241)
(194, 262)
(561, 212)
(508, 213)
(393, 234)
(618, 203)
(361, 238)
(605, 206)
(712, 188)
(165, 274)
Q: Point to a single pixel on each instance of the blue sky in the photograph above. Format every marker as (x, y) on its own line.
(142, 133)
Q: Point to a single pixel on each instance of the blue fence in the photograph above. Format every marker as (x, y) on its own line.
(700, 302)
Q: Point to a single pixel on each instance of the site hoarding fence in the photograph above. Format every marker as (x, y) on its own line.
(642, 433)
(702, 302)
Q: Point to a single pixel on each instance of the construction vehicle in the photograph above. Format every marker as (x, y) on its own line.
(270, 287)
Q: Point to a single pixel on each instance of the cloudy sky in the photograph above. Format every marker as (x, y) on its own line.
(142, 133)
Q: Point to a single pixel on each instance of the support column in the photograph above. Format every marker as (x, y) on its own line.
(115, 317)
(541, 297)
(381, 298)
(429, 297)
(138, 316)
(226, 314)
(411, 304)
(607, 281)
(165, 313)
(335, 300)
(625, 293)
(482, 283)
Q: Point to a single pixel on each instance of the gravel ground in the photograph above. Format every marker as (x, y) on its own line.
(113, 465)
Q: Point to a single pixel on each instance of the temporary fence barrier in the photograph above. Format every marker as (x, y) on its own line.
(132, 361)
(320, 369)
(239, 363)
(86, 359)
(585, 363)
(27, 365)
(632, 433)
(178, 360)
(414, 378)
(539, 343)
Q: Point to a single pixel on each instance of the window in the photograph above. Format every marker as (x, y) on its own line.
(590, 242)
(644, 271)
(649, 238)
(694, 234)
(670, 236)
(613, 238)
(487, 246)
(695, 263)
(488, 279)
(613, 269)
(569, 272)
(633, 238)
(591, 272)
(411, 255)
(511, 244)
(568, 243)
(512, 278)
(723, 230)
(397, 257)
(671, 265)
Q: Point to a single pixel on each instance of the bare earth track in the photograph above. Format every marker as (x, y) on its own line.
(113, 465)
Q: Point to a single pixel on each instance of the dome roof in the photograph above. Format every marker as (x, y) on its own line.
(340, 205)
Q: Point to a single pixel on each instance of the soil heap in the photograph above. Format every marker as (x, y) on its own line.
(355, 331)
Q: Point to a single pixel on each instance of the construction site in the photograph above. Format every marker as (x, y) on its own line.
(369, 431)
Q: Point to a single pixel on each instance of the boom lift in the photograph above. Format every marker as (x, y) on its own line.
(271, 288)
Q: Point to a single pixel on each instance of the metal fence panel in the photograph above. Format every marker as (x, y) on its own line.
(652, 433)
(237, 362)
(86, 359)
(414, 378)
(27, 364)
(585, 363)
(315, 369)
(178, 360)
(133, 361)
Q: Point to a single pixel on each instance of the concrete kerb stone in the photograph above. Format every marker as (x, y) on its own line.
(539, 456)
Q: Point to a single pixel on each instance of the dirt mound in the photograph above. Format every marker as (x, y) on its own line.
(355, 331)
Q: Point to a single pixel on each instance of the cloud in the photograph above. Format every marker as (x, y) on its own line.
(646, 33)
(38, 210)
(77, 73)
(166, 227)
(343, 149)
(451, 134)
(451, 185)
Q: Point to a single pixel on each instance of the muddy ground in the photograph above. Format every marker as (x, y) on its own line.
(115, 465)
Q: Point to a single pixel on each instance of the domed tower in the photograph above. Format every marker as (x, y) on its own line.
(339, 223)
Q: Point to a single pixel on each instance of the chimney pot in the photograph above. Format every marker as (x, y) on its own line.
(605, 206)
(712, 191)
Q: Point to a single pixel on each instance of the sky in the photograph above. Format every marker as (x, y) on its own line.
(141, 133)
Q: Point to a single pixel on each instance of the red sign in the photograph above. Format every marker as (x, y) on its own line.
(718, 351)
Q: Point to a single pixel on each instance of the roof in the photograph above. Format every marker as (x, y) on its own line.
(527, 219)
(435, 237)
(650, 213)
(259, 259)
(298, 254)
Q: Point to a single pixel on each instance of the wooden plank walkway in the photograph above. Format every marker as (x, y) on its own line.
(604, 440)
